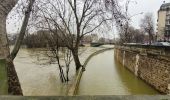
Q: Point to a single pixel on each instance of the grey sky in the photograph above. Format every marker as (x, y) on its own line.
(141, 6)
(145, 6)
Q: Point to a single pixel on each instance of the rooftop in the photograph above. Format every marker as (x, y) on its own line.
(165, 6)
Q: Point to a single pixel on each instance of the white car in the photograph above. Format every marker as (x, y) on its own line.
(161, 44)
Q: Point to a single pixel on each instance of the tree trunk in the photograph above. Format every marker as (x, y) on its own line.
(76, 59)
(22, 31)
(14, 87)
(150, 37)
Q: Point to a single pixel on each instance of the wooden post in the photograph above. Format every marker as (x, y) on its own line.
(3, 78)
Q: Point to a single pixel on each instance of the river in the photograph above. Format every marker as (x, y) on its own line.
(40, 78)
(105, 76)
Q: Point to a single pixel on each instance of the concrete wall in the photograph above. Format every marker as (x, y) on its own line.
(151, 64)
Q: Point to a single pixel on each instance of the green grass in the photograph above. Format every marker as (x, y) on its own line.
(3, 78)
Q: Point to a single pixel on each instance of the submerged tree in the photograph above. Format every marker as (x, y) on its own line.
(75, 19)
(57, 52)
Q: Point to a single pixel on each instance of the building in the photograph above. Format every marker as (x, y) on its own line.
(163, 30)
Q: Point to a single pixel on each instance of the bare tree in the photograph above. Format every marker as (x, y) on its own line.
(13, 81)
(74, 19)
(22, 32)
(135, 35)
(147, 24)
(58, 53)
(124, 23)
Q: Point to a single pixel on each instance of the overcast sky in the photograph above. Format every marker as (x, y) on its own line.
(145, 6)
(134, 8)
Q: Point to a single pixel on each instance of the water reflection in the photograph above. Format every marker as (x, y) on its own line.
(104, 76)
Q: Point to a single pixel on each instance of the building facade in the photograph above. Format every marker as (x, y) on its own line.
(163, 30)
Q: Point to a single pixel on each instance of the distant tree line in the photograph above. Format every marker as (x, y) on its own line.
(39, 39)
(146, 33)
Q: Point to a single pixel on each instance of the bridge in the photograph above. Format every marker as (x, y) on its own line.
(97, 44)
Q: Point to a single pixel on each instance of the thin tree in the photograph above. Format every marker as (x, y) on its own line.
(58, 53)
(124, 23)
(75, 19)
(22, 32)
(13, 82)
(6, 6)
(147, 24)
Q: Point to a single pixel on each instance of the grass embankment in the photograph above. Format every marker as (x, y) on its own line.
(3, 78)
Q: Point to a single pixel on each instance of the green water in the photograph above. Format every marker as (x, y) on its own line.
(104, 76)
(3, 78)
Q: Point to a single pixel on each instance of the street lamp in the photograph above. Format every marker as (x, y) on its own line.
(135, 15)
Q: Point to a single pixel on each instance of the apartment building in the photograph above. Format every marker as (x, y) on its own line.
(163, 29)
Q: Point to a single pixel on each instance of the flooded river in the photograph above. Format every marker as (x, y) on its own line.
(37, 76)
(40, 78)
(104, 76)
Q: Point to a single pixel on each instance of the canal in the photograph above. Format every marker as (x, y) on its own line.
(105, 76)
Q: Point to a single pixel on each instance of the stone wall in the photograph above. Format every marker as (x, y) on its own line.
(106, 97)
(150, 63)
(3, 78)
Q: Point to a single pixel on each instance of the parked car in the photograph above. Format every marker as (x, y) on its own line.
(161, 43)
(132, 43)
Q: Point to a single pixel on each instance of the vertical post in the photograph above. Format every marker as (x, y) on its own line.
(124, 52)
(137, 64)
(169, 89)
(3, 78)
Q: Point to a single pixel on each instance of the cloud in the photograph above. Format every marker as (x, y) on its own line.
(145, 6)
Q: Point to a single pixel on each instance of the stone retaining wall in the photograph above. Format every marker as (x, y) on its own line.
(151, 64)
